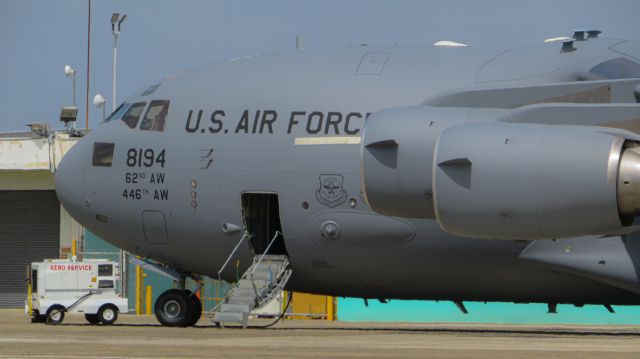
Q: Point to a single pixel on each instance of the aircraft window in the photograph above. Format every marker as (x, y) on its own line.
(156, 115)
(118, 112)
(132, 115)
(103, 154)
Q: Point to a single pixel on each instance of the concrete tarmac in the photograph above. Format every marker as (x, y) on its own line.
(142, 337)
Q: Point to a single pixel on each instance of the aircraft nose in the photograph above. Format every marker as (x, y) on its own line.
(69, 180)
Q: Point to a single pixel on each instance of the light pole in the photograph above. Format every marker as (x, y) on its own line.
(98, 101)
(70, 72)
(116, 22)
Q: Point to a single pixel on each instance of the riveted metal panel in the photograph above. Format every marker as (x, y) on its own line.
(372, 63)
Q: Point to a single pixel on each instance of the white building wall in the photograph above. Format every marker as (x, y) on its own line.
(28, 162)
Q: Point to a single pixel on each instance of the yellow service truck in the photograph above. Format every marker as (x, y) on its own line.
(55, 287)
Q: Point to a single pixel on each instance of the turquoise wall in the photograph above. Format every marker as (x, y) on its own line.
(353, 309)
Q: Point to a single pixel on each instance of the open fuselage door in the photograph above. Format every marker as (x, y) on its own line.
(264, 280)
(262, 219)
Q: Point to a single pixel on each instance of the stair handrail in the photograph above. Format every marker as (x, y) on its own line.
(265, 252)
(256, 264)
(233, 252)
(282, 281)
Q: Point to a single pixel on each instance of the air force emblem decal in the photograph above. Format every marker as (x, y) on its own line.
(331, 193)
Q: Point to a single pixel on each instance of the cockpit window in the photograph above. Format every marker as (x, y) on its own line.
(103, 154)
(115, 115)
(132, 115)
(156, 115)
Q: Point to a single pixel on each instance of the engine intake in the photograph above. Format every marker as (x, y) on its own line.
(629, 183)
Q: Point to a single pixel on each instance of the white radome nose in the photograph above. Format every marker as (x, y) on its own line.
(69, 180)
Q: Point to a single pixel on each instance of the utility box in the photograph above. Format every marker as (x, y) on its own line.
(59, 286)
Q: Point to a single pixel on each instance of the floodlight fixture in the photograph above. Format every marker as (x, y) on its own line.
(98, 101)
(68, 114)
(116, 22)
(70, 72)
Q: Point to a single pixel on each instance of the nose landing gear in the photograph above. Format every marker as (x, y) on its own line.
(178, 308)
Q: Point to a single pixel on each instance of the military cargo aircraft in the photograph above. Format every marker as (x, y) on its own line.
(443, 173)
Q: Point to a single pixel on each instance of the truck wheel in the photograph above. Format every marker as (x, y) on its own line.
(107, 314)
(173, 308)
(92, 318)
(55, 314)
(196, 310)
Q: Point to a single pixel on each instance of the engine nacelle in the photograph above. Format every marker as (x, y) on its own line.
(397, 158)
(499, 180)
(529, 181)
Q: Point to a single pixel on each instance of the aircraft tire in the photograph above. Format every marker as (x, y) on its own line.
(174, 308)
(55, 314)
(196, 310)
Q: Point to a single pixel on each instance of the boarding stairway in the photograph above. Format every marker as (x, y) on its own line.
(262, 282)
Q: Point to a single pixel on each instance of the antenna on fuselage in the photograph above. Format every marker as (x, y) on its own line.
(448, 43)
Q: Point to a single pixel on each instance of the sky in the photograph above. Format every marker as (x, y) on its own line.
(161, 37)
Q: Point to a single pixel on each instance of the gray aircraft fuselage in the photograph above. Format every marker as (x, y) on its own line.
(289, 123)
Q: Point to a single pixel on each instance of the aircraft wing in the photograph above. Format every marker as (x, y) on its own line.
(617, 119)
(507, 97)
(610, 259)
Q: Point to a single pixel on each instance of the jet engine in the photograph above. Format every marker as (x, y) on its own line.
(482, 177)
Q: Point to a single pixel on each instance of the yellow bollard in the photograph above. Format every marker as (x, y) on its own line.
(331, 314)
(148, 298)
(73, 247)
(138, 289)
(30, 299)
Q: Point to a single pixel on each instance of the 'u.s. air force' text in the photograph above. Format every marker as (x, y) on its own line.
(263, 122)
